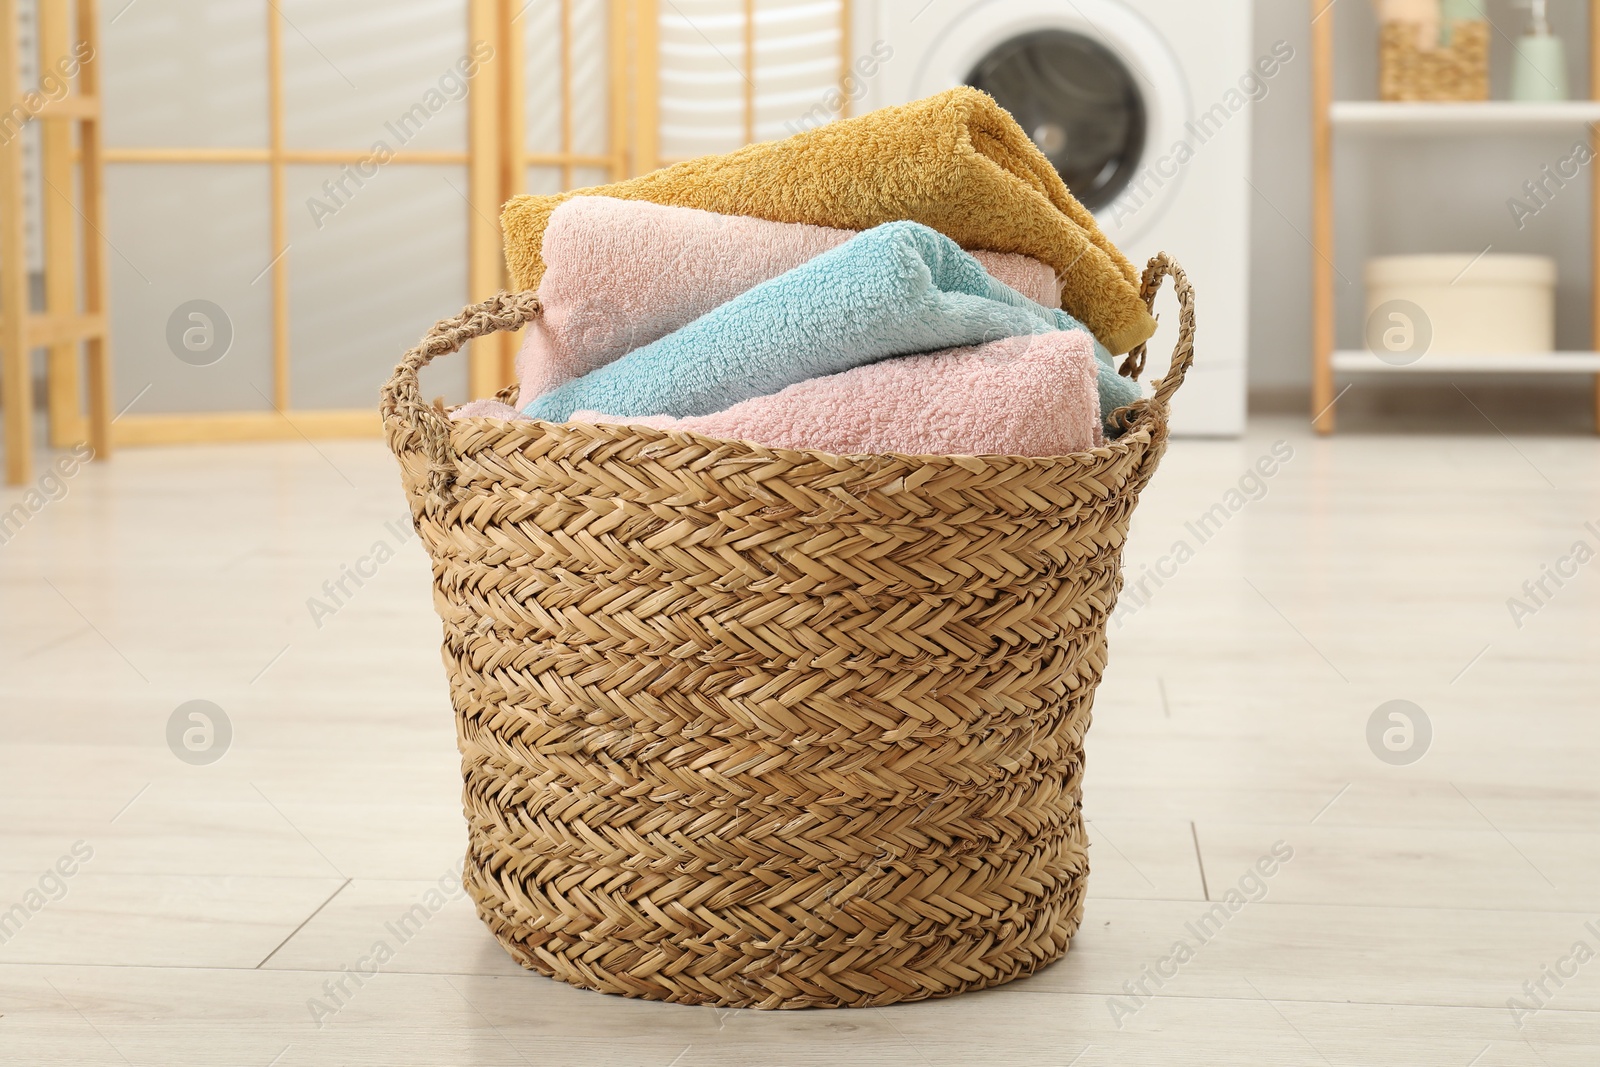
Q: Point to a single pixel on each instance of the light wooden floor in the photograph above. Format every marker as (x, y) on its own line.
(220, 898)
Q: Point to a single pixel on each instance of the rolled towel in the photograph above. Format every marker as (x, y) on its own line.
(1425, 15)
(956, 161)
(622, 273)
(1022, 396)
(894, 290)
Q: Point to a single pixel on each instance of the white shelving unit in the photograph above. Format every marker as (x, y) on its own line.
(1373, 118)
(1361, 361)
(1492, 116)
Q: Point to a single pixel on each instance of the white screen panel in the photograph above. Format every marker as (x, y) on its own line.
(797, 63)
(361, 71)
(178, 234)
(590, 66)
(542, 181)
(702, 77)
(585, 177)
(540, 24)
(590, 89)
(184, 73)
(32, 178)
(368, 282)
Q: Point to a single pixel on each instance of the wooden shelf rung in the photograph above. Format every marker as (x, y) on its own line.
(42, 331)
(74, 108)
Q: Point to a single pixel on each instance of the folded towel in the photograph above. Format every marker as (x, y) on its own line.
(622, 273)
(894, 290)
(956, 161)
(1022, 396)
(1424, 14)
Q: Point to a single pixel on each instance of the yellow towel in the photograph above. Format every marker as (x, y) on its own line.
(956, 161)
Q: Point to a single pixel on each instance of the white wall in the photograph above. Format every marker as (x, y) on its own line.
(1394, 196)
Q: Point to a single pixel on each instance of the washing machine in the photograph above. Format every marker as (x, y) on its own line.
(1144, 109)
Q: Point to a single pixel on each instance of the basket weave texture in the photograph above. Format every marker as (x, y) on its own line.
(1457, 71)
(761, 728)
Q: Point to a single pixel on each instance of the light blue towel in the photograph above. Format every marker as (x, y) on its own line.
(893, 290)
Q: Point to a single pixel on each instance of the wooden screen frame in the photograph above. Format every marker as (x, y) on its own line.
(66, 322)
(497, 161)
(484, 265)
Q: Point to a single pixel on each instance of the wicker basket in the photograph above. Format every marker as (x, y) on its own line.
(1408, 70)
(762, 728)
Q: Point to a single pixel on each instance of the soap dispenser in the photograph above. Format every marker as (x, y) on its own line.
(1539, 62)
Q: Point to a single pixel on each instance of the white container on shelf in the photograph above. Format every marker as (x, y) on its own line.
(1469, 304)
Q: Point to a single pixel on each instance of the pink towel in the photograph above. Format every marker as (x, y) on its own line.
(1021, 396)
(486, 409)
(622, 273)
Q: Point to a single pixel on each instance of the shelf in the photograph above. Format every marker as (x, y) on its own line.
(1380, 117)
(1360, 360)
(1477, 128)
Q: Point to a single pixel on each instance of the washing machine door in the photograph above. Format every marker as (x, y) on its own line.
(1078, 101)
(1093, 82)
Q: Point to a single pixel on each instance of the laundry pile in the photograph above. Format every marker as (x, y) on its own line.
(916, 280)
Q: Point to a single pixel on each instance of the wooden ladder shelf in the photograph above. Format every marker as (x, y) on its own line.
(74, 270)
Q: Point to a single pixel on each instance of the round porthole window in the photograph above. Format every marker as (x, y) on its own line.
(1078, 101)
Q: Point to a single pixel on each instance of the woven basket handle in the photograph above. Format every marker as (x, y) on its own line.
(1162, 265)
(403, 397)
